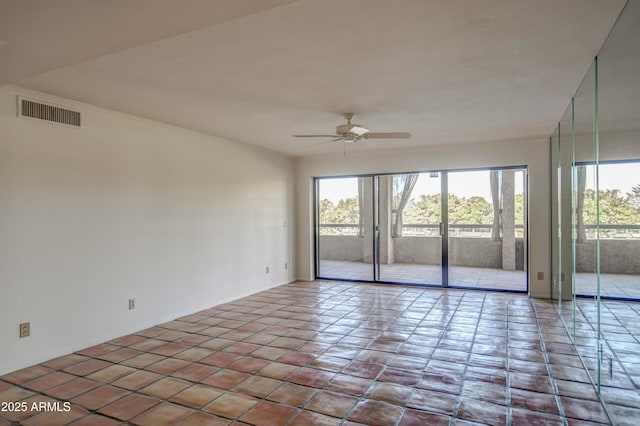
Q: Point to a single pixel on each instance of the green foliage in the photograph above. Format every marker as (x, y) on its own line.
(347, 211)
(425, 209)
(615, 209)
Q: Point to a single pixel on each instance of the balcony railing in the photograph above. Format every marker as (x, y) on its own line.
(619, 231)
(420, 230)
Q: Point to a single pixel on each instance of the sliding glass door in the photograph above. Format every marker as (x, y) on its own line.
(344, 228)
(410, 219)
(390, 228)
(486, 217)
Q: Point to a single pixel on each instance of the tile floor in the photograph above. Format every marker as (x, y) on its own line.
(326, 353)
(614, 359)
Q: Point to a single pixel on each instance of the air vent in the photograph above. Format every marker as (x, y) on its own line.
(49, 113)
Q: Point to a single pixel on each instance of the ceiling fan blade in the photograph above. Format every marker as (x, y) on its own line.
(315, 136)
(387, 135)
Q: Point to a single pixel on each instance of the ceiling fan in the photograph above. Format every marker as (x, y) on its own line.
(354, 132)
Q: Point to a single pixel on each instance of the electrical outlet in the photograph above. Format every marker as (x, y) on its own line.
(25, 329)
(267, 271)
(286, 265)
(132, 304)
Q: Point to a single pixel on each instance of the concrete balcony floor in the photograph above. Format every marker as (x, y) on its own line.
(611, 285)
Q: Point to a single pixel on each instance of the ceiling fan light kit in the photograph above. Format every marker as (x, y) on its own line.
(350, 132)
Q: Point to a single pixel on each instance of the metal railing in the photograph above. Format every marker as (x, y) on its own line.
(616, 231)
(419, 230)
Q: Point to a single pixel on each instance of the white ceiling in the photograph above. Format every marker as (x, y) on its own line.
(258, 71)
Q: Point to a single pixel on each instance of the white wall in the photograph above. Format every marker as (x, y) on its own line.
(531, 153)
(129, 208)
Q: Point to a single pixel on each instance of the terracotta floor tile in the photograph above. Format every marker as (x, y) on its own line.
(50, 380)
(278, 371)
(128, 340)
(389, 392)
(193, 340)
(231, 405)
(142, 360)
(622, 415)
(169, 349)
(534, 401)
(14, 393)
(197, 396)
(242, 348)
(291, 394)
(418, 357)
(119, 355)
(97, 350)
(200, 419)
(565, 372)
(111, 373)
(268, 352)
(95, 420)
(258, 386)
(137, 380)
(440, 383)
(329, 363)
(168, 366)
(165, 388)
(269, 414)
(72, 388)
(99, 397)
(163, 414)
(311, 377)
(171, 335)
(195, 372)
(331, 403)
(194, 354)
(524, 381)
(488, 375)
(413, 417)
(433, 401)
(65, 361)
(225, 379)
(300, 359)
(147, 344)
(520, 416)
(27, 374)
(128, 407)
(482, 412)
(375, 413)
(87, 367)
(248, 364)
(20, 416)
(402, 377)
(220, 359)
(583, 409)
(58, 417)
(484, 392)
(349, 384)
(307, 418)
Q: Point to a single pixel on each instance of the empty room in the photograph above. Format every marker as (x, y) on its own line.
(305, 212)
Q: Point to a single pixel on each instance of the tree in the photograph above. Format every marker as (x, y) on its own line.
(424, 210)
(474, 210)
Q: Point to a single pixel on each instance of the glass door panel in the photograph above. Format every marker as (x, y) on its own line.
(486, 238)
(409, 244)
(344, 234)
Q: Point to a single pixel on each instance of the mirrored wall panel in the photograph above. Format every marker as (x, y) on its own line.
(596, 263)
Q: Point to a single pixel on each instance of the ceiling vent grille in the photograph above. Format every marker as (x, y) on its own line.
(49, 113)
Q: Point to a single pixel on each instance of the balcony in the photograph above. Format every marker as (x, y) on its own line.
(476, 259)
